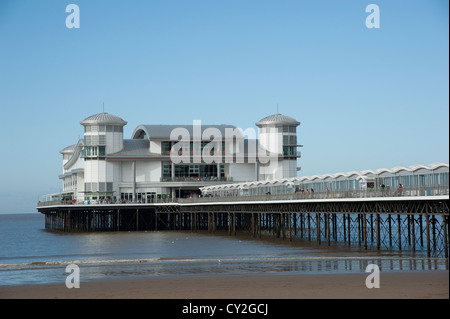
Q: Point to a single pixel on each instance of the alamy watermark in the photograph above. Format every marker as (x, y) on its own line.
(230, 145)
(373, 280)
(73, 19)
(373, 19)
(73, 279)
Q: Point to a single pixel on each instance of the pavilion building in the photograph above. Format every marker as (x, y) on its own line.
(156, 164)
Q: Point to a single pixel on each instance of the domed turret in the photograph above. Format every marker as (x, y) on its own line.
(103, 118)
(277, 120)
(278, 135)
(103, 135)
(104, 131)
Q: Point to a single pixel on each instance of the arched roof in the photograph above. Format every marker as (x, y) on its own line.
(277, 119)
(363, 175)
(352, 173)
(77, 148)
(103, 118)
(417, 167)
(164, 131)
(437, 165)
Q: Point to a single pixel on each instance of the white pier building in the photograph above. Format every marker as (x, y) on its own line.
(152, 164)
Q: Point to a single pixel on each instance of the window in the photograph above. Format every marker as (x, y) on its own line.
(193, 170)
(289, 140)
(165, 147)
(289, 145)
(94, 151)
(94, 140)
(197, 171)
(167, 170)
(289, 151)
(289, 129)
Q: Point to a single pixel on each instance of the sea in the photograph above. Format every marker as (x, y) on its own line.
(30, 255)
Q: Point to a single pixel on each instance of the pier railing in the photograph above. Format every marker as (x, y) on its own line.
(405, 192)
(59, 202)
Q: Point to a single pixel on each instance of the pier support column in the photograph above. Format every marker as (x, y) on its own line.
(377, 220)
(445, 231)
(137, 218)
(349, 220)
(309, 226)
(68, 228)
(328, 228)
(318, 227)
(399, 231)
(260, 217)
(289, 226)
(427, 225)
(390, 230)
(118, 220)
(365, 231)
(413, 235)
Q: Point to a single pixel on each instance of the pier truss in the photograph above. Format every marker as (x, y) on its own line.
(417, 224)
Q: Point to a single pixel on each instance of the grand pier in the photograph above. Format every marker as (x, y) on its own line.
(406, 223)
(216, 183)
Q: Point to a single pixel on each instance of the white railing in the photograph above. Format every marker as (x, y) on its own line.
(405, 192)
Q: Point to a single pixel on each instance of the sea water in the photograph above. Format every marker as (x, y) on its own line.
(29, 254)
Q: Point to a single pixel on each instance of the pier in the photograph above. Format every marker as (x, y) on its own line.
(417, 224)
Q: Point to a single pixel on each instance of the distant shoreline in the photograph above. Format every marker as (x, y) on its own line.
(393, 285)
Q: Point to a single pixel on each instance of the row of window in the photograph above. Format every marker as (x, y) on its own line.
(290, 151)
(98, 187)
(289, 140)
(193, 170)
(70, 183)
(219, 148)
(103, 128)
(283, 129)
(289, 129)
(94, 151)
(143, 197)
(95, 140)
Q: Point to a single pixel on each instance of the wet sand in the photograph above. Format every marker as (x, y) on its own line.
(393, 285)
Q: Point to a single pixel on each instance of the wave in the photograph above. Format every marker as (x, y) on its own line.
(76, 262)
(94, 262)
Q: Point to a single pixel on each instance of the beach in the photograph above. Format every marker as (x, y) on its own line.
(393, 285)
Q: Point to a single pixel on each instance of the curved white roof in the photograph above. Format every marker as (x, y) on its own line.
(277, 119)
(417, 167)
(353, 174)
(437, 165)
(103, 118)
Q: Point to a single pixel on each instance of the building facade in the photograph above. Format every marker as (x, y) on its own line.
(172, 161)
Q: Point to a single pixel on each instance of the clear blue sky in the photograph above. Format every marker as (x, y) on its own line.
(366, 98)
